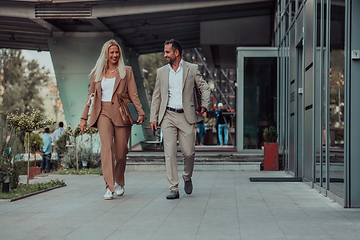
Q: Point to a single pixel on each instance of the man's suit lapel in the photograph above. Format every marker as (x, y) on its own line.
(166, 81)
(185, 72)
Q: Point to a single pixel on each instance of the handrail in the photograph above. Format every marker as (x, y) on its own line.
(208, 71)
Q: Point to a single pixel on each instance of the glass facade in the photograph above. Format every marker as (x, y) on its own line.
(311, 99)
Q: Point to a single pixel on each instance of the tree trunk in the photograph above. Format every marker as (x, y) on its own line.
(28, 165)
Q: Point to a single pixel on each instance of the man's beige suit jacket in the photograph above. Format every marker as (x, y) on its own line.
(191, 76)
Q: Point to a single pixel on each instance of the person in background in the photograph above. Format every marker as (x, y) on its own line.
(46, 151)
(56, 135)
(222, 125)
(202, 131)
(217, 123)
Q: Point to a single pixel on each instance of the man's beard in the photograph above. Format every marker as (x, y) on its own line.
(172, 61)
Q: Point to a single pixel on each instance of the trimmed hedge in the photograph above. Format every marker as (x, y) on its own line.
(23, 165)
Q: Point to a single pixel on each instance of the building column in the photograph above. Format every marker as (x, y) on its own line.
(132, 60)
(352, 130)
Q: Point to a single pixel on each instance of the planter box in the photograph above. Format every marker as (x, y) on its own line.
(33, 171)
(271, 156)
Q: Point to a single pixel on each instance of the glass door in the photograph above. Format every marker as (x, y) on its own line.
(257, 95)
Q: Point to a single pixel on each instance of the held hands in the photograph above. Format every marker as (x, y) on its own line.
(140, 120)
(203, 110)
(83, 125)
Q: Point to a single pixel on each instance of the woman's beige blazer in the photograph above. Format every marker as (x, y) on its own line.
(119, 87)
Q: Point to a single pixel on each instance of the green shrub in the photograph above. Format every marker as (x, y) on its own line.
(93, 159)
(15, 175)
(23, 189)
(36, 142)
(69, 159)
(22, 165)
(270, 134)
(10, 146)
(80, 172)
(84, 153)
(61, 143)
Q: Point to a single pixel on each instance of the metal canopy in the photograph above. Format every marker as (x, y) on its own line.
(143, 25)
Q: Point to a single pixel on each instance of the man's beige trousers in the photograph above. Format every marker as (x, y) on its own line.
(175, 125)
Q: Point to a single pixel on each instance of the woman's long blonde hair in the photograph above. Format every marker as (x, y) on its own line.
(101, 64)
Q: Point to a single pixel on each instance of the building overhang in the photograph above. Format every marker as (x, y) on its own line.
(218, 26)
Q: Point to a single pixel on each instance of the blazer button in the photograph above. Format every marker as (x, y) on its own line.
(112, 102)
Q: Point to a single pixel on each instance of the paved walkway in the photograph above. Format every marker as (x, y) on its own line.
(224, 205)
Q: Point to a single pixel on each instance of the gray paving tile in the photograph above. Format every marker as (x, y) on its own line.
(262, 237)
(177, 227)
(224, 205)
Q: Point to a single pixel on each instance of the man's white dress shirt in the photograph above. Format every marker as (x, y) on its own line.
(175, 87)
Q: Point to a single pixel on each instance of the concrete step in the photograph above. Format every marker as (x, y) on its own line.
(204, 161)
(199, 166)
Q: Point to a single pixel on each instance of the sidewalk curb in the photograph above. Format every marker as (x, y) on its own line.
(32, 194)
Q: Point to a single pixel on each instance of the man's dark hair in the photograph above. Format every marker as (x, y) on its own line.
(47, 130)
(61, 124)
(175, 45)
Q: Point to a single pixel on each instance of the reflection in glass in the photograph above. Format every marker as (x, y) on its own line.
(336, 139)
(320, 120)
(259, 98)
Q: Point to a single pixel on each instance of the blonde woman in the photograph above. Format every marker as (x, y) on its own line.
(109, 77)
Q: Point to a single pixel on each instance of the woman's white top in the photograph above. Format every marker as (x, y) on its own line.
(107, 88)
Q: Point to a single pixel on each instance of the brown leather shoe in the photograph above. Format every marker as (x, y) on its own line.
(173, 195)
(188, 186)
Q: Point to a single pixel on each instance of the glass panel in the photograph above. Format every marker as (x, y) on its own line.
(323, 167)
(337, 97)
(299, 112)
(287, 18)
(287, 100)
(321, 15)
(319, 98)
(293, 10)
(300, 2)
(259, 98)
(318, 131)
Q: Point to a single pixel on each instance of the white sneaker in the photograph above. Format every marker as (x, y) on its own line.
(108, 195)
(119, 189)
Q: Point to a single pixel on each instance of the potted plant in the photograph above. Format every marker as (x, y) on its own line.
(36, 143)
(85, 156)
(28, 122)
(271, 149)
